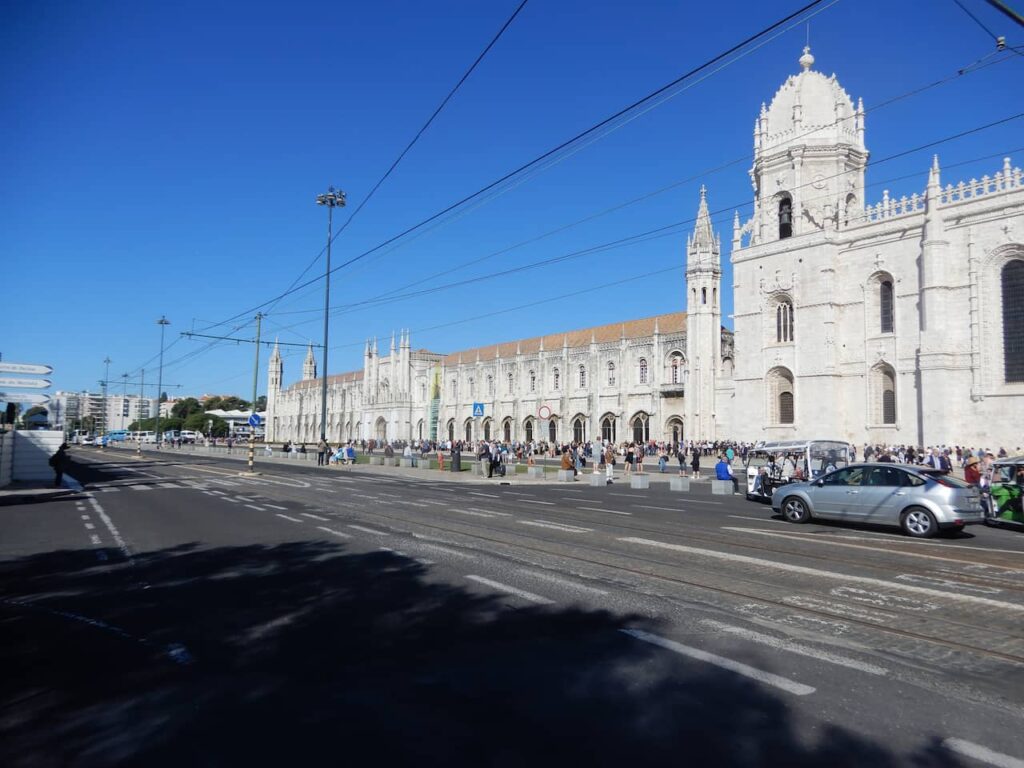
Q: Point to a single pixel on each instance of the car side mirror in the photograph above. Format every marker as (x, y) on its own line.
(819, 483)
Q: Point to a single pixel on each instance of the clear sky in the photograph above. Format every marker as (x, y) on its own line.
(164, 159)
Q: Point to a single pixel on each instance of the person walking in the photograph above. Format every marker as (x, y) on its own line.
(630, 456)
(321, 452)
(59, 461)
(609, 463)
(695, 463)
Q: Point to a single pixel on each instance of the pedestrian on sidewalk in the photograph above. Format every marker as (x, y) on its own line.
(609, 463)
(321, 452)
(58, 461)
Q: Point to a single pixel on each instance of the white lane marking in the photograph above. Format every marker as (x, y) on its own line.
(489, 511)
(445, 550)
(331, 530)
(663, 509)
(915, 578)
(364, 496)
(253, 506)
(515, 493)
(624, 495)
(168, 485)
(140, 487)
(566, 582)
(89, 526)
(113, 531)
(473, 513)
(369, 530)
(511, 590)
(533, 501)
(602, 509)
(801, 536)
(895, 602)
(85, 517)
(217, 493)
(415, 504)
(314, 517)
(275, 506)
(293, 519)
(228, 498)
(781, 644)
(94, 539)
(326, 490)
(556, 526)
(488, 495)
(897, 539)
(436, 503)
(790, 686)
(818, 573)
(757, 519)
(982, 754)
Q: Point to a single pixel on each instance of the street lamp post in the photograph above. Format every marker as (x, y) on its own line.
(138, 413)
(333, 198)
(163, 322)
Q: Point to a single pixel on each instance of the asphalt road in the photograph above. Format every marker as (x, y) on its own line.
(176, 612)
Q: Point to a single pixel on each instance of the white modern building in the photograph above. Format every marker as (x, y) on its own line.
(67, 408)
(898, 321)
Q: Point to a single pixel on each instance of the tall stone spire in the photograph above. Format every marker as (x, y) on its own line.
(275, 373)
(703, 323)
(309, 365)
(703, 247)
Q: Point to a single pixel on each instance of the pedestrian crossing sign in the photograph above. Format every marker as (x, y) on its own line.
(478, 409)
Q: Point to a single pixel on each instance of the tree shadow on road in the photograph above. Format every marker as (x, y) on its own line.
(306, 653)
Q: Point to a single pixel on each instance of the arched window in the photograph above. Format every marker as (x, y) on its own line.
(611, 374)
(528, 430)
(451, 431)
(423, 390)
(472, 387)
(608, 428)
(784, 325)
(885, 306)
(643, 370)
(578, 431)
(583, 377)
(851, 209)
(703, 295)
(782, 406)
(487, 430)
(469, 430)
(507, 429)
(490, 385)
(1013, 320)
(556, 378)
(675, 368)
(640, 428)
(455, 389)
(533, 381)
(511, 384)
(552, 431)
(785, 217)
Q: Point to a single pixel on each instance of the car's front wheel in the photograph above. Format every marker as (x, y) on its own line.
(919, 523)
(795, 510)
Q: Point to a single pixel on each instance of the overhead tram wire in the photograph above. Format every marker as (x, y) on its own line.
(975, 67)
(628, 239)
(409, 146)
(549, 153)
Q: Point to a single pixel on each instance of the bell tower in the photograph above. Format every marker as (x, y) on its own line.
(703, 324)
(275, 372)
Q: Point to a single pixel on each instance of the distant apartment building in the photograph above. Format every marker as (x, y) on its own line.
(67, 409)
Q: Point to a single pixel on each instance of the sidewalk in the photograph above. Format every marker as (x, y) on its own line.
(27, 492)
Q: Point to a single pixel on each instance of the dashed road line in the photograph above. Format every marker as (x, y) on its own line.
(89, 526)
(94, 539)
(537, 501)
(511, 590)
(275, 506)
(487, 495)
(602, 509)
(293, 519)
(369, 530)
(768, 678)
(253, 506)
(556, 526)
(140, 487)
(331, 530)
(982, 754)
(314, 517)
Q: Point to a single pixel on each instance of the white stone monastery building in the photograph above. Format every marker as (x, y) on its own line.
(896, 322)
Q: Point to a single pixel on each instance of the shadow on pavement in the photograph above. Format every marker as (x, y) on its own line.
(305, 653)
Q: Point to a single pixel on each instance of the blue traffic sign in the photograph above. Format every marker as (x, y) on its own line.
(478, 409)
(254, 420)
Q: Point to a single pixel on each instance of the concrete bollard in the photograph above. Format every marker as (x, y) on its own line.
(535, 472)
(640, 482)
(377, 461)
(565, 476)
(407, 463)
(721, 487)
(596, 481)
(679, 484)
(390, 461)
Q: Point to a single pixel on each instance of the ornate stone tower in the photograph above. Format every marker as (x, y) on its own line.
(809, 158)
(309, 365)
(275, 372)
(703, 324)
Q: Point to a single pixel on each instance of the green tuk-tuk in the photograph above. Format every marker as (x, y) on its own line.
(1007, 492)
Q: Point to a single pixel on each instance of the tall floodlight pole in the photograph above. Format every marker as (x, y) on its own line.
(106, 378)
(253, 418)
(163, 322)
(333, 198)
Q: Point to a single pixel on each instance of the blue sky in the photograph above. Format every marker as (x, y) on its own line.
(164, 159)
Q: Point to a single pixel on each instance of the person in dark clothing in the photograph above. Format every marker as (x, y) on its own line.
(59, 461)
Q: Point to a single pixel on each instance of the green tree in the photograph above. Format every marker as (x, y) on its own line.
(186, 407)
(149, 425)
(229, 403)
(261, 403)
(197, 422)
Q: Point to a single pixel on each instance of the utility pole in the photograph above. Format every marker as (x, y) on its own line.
(106, 378)
(255, 379)
(332, 199)
(138, 413)
(163, 322)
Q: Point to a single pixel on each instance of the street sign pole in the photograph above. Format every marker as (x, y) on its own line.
(253, 417)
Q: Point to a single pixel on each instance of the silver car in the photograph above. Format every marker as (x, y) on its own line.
(920, 501)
